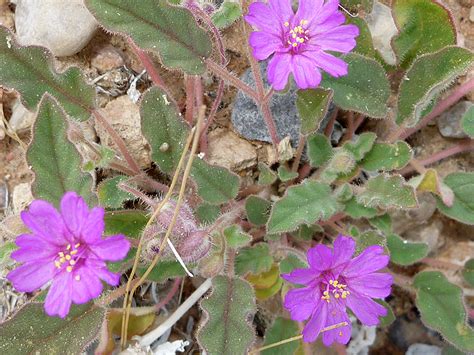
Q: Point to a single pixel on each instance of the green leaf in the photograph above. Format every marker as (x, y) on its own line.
(467, 122)
(266, 293)
(128, 222)
(207, 213)
(312, 106)
(355, 210)
(305, 203)
(156, 26)
(267, 283)
(30, 71)
(213, 263)
(319, 150)
(441, 307)
(163, 270)
(5, 251)
(235, 237)
(228, 13)
(369, 238)
(290, 263)
(403, 252)
(382, 223)
(357, 5)
(257, 209)
(306, 232)
(54, 159)
(386, 157)
(215, 184)
(267, 176)
(32, 331)
(468, 272)
(421, 33)
(364, 89)
(163, 128)
(389, 318)
(429, 181)
(365, 44)
(226, 328)
(342, 163)
(110, 196)
(429, 75)
(388, 191)
(285, 174)
(254, 259)
(361, 146)
(281, 329)
(344, 193)
(462, 209)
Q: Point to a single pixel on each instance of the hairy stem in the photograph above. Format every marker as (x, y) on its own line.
(190, 99)
(170, 295)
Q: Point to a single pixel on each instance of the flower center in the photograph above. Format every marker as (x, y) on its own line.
(68, 257)
(298, 34)
(336, 290)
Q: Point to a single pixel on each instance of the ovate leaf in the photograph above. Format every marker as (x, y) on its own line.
(254, 259)
(364, 89)
(361, 145)
(441, 307)
(312, 106)
(462, 210)
(429, 75)
(235, 237)
(228, 13)
(163, 128)
(429, 181)
(421, 33)
(386, 157)
(388, 191)
(32, 331)
(357, 210)
(128, 222)
(226, 328)
(467, 122)
(468, 272)
(403, 252)
(163, 270)
(267, 176)
(156, 26)
(319, 150)
(304, 203)
(258, 210)
(285, 174)
(281, 329)
(110, 195)
(30, 71)
(54, 159)
(290, 263)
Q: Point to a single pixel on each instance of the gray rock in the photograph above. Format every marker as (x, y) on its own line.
(248, 120)
(449, 123)
(21, 118)
(382, 28)
(471, 14)
(423, 349)
(65, 27)
(21, 197)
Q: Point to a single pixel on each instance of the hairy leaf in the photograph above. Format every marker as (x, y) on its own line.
(304, 203)
(254, 259)
(285, 174)
(30, 71)
(462, 210)
(235, 237)
(386, 157)
(228, 13)
(312, 106)
(228, 309)
(382, 223)
(207, 213)
(319, 150)
(364, 89)
(467, 122)
(361, 145)
(32, 331)
(163, 270)
(388, 191)
(429, 75)
(290, 263)
(281, 329)
(389, 318)
(128, 222)
(258, 210)
(425, 27)
(441, 307)
(159, 27)
(110, 195)
(365, 44)
(54, 159)
(403, 252)
(429, 181)
(468, 272)
(267, 176)
(267, 283)
(356, 210)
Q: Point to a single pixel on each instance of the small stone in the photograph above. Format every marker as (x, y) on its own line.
(229, 150)
(471, 14)
(65, 27)
(107, 58)
(21, 118)
(3, 196)
(382, 28)
(423, 349)
(124, 116)
(21, 197)
(6, 16)
(449, 123)
(429, 234)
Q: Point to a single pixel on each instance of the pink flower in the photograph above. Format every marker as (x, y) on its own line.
(67, 249)
(333, 282)
(299, 42)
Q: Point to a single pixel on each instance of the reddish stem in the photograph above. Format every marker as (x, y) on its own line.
(198, 91)
(212, 115)
(358, 121)
(170, 295)
(350, 127)
(190, 99)
(330, 126)
(461, 147)
(442, 106)
(299, 153)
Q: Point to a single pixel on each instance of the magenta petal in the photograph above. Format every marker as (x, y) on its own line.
(370, 260)
(301, 302)
(334, 21)
(263, 44)
(74, 211)
(86, 285)
(113, 248)
(375, 285)
(281, 10)
(330, 64)
(45, 221)
(337, 314)
(301, 276)
(366, 310)
(308, 10)
(320, 257)
(278, 70)
(100, 269)
(58, 301)
(261, 16)
(344, 248)
(33, 248)
(329, 9)
(31, 276)
(94, 226)
(316, 323)
(305, 72)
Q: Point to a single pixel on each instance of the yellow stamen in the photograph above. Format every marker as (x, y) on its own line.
(61, 254)
(340, 334)
(77, 245)
(335, 283)
(77, 277)
(74, 252)
(69, 269)
(58, 264)
(286, 24)
(72, 262)
(337, 295)
(68, 257)
(294, 44)
(331, 282)
(68, 246)
(61, 260)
